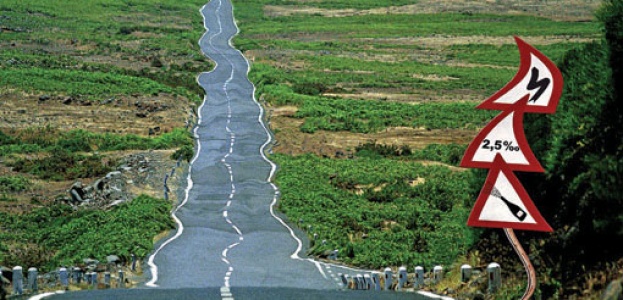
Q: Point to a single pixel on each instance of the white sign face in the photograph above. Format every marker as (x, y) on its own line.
(501, 139)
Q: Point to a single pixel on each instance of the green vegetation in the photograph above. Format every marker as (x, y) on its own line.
(376, 212)
(505, 55)
(582, 147)
(397, 25)
(70, 33)
(48, 139)
(346, 4)
(13, 183)
(450, 154)
(63, 155)
(93, 50)
(64, 165)
(363, 116)
(372, 116)
(341, 64)
(59, 235)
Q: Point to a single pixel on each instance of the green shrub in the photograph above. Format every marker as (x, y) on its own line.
(62, 164)
(64, 236)
(13, 183)
(186, 152)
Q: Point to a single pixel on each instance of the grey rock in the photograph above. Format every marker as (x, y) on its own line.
(113, 174)
(112, 258)
(75, 196)
(91, 261)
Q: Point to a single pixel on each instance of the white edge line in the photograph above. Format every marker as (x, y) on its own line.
(180, 226)
(44, 295)
(295, 254)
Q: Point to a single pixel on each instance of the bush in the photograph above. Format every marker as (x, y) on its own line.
(59, 235)
(62, 164)
(186, 153)
(13, 183)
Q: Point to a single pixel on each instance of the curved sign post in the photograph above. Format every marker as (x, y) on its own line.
(501, 146)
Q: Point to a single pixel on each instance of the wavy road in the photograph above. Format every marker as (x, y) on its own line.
(229, 232)
(230, 243)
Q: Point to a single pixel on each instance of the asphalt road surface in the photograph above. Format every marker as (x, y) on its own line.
(230, 243)
(241, 294)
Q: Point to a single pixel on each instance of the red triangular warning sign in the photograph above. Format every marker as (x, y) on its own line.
(503, 136)
(538, 77)
(504, 203)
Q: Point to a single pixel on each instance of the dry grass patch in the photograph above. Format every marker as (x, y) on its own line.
(569, 10)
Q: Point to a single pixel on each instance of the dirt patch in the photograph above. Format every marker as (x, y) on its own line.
(441, 41)
(572, 10)
(290, 140)
(141, 115)
(413, 96)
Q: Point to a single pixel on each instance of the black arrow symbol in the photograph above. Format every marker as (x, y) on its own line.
(540, 84)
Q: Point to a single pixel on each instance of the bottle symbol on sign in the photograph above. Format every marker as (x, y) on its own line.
(517, 211)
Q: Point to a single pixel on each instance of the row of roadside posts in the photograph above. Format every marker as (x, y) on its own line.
(399, 282)
(64, 277)
(359, 282)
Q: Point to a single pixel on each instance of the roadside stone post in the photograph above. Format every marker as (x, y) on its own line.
(495, 277)
(360, 282)
(32, 279)
(402, 278)
(437, 274)
(419, 277)
(133, 262)
(353, 282)
(63, 277)
(376, 280)
(367, 281)
(120, 280)
(388, 279)
(94, 279)
(77, 275)
(18, 280)
(466, 272)
(344, 279)
(107, 279)
(333, 255)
